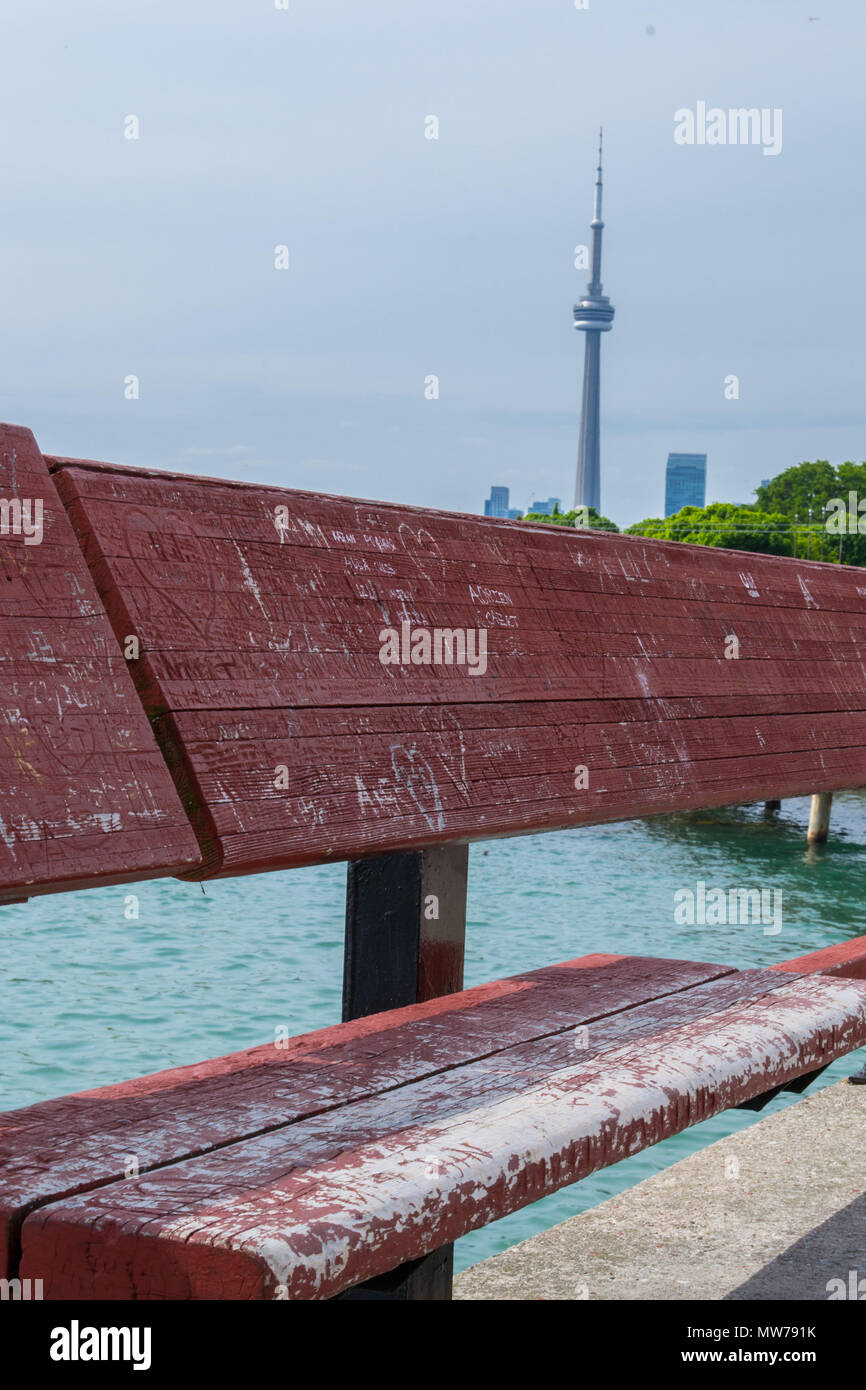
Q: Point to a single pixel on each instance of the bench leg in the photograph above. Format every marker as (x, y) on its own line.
(405, 934)
(426, 1280)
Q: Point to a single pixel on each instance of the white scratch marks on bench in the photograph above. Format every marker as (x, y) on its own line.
(250, 582)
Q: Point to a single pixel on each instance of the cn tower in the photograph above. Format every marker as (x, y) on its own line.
(593, 315)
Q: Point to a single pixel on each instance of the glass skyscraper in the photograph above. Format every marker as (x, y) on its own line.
(685, 482)
(497, 505)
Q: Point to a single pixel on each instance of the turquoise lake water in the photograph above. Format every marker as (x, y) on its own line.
(90, 997)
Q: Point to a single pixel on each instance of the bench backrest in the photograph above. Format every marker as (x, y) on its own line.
(85, 797)
(613, 676)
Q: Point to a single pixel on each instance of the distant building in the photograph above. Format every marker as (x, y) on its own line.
(545, 508)
(497, 505)
(497, 502)
(685, 482)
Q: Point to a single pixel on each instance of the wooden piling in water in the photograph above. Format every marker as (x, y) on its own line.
(819, 817)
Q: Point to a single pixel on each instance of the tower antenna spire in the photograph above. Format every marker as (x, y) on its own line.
(597, 225)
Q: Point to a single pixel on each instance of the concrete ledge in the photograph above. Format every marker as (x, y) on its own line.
(774, 1212)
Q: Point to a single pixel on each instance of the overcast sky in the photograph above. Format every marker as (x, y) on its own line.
(409, 257)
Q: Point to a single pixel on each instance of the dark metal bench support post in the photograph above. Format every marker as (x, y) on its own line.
(405, 932)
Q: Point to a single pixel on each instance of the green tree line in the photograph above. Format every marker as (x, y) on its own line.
(811, 510)
(588, 517)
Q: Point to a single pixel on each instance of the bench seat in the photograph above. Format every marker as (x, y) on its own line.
(301, 1170)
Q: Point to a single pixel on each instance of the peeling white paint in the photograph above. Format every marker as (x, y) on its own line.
(319, 1228)
(810, 602)
(250, 582)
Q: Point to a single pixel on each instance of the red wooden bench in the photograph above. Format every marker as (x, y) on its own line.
(344, 1164)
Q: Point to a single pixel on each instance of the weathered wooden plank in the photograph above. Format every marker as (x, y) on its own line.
(504, 757)
(292, 743)
(85, 797)
(424, 807)
(847, 959)
(339, 633)
(312, 1208)
(489, 752)
(388, 531)
(196, 680)
(80, 1141)
(609, 627)
(522, 719)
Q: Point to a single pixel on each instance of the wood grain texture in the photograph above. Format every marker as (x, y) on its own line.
(316, 1205)
(261, 651)
(847, 959)
(85, 797)
(80, 1141)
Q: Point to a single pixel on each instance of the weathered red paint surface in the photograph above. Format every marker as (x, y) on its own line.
(847, 960)
(75, 1142)
(440, 967)
(85, 797)
(315, 1206)
(261, 651)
